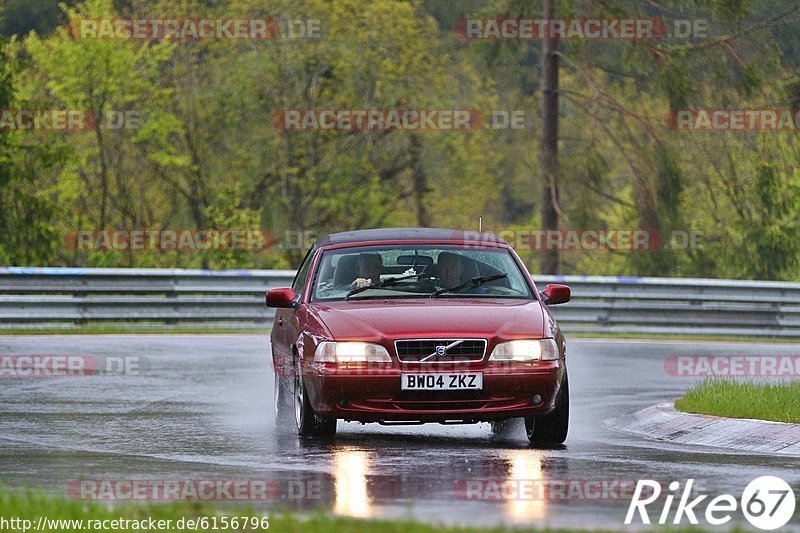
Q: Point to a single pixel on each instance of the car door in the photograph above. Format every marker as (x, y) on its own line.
(287, 325)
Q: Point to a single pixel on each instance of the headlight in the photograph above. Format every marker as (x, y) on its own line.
(525, 351)
(351, 352)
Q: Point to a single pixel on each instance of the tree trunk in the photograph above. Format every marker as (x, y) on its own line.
(420, 182)
(101, 147)
(549, 140)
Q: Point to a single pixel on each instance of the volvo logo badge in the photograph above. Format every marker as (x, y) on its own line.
(441, 350)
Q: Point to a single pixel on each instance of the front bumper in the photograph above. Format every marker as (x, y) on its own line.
(374, 395)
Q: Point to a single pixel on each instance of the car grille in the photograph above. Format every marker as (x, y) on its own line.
(414, 351)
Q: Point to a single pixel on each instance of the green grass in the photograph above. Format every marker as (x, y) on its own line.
(31, 505)
(744, 399)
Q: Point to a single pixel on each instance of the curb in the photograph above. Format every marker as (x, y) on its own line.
(663, 422)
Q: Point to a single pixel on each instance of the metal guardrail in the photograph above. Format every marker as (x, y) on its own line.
(46, 296)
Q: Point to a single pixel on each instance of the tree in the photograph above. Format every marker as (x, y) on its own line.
(549, 145)
(109, 79)
(619, 167)
(28, 211)
(382, 55)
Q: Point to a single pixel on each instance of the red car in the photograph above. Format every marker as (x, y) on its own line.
(413, 325)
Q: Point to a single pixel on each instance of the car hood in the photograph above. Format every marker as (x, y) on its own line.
(431, 318)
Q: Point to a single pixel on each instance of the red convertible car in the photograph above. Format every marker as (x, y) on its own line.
(412, 325)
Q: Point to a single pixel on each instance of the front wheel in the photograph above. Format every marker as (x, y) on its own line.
(551, 429)
(309, 422)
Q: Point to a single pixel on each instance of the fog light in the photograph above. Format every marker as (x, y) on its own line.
(537, 399)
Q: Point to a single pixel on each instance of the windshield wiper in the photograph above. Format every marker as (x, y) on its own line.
(474, 282)
(388, 282)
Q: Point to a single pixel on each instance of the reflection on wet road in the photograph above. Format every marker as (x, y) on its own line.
(198, 408)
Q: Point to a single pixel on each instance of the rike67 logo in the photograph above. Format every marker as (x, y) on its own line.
(768, 503)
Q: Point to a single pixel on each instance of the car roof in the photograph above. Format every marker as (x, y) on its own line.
(407, 234)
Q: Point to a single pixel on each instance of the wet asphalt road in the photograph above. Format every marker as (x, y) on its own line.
(199, 408)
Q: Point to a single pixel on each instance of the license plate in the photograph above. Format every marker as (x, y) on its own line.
(442, 381)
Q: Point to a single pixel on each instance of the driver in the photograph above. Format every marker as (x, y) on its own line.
(368, 270)
(451, 269)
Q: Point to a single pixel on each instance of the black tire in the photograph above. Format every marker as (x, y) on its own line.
(551, 429)
(309, 423)
(284, 417)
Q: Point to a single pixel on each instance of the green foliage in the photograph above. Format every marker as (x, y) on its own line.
(28, 209)
(206, 155)
(226, 213)
(771, 238)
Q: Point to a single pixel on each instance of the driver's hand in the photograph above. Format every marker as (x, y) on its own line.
(361, 282)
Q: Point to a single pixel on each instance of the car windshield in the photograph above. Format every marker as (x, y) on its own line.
(414, 271)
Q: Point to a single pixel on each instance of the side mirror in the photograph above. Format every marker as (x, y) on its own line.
(283, 297)
(556, 294)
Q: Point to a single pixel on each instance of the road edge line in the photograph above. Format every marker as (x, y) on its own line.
(665, 423)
